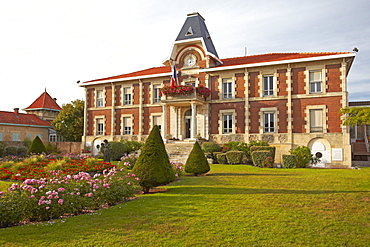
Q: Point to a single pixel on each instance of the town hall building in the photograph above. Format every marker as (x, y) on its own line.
(286, 99)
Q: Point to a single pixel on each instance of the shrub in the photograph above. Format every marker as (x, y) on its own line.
(128, 160)
(11, 150)
(22, 151)
(289, 161)
(303, 154)
(37, 147)
(234, 157)
(197, 162)
(117, 150)
(153, 166)
(2, 148)
(51, 148)
(268, 162)
(221, 158)
(259, 157)
(215, 157)
(211, 147)
(235, 146)
(247, 151)
(132, 146)
(265, 148)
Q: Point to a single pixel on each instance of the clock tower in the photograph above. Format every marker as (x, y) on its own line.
(193, 48)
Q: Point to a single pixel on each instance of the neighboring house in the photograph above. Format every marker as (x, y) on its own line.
(286, 99)
(15, 126)
(360, 135)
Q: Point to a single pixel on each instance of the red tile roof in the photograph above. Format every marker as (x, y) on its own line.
(22, 119)
(44, 102)
(263, 58)
(272, 57)
(150, 71)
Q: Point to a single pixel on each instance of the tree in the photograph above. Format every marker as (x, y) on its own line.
(356, 115)
(197, 162)
(153, 167)
(70, 121)
(37, 147)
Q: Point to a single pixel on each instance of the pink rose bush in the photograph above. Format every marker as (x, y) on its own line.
(61, 194)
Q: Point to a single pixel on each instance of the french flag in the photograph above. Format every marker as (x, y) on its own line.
(174, 76)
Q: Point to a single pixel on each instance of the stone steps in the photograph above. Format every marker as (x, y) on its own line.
(178, 151)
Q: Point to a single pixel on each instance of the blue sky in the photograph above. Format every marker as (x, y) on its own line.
(53, 44)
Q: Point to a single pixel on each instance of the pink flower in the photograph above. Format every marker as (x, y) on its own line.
(128, 183)
(61, 189)
(47, 208)
(89, 194)
(60, 201)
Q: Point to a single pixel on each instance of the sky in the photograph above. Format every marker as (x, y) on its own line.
(50, 45)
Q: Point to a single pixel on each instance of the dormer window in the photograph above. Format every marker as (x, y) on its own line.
(189, 32)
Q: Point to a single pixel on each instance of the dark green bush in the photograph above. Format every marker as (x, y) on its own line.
(247, 150)
(132, 146)
(197, 162)
(215, 157)
(260, 156)
(303, 155)
(117, 150)
(11, 150)
(2, 148)
(221, 158)
(265, 148)
(234, 157)
(153, 167)
(211, 147)
(21, 151)
(289, 161)
(37, 147)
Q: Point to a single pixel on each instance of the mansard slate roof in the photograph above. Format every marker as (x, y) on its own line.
(44, 102)
(195, 27)
(13, 118)
(237, 61)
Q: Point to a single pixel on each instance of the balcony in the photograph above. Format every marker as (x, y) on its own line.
(184, 95)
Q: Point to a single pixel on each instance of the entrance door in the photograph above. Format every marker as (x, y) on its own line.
(187, 123)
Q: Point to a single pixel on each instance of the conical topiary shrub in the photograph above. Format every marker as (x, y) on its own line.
(153, 166)
(197, 162)
(37, 147)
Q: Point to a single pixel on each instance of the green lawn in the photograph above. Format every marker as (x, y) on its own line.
(232, 206)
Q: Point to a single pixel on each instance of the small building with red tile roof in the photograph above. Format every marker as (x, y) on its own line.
(285, 99)
(16, 126)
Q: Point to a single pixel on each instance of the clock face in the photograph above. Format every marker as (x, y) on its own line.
(190, 61)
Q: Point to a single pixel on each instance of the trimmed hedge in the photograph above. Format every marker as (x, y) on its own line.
(266, 148)
(259, 157)
(37, 147)
(234, 157)
(221, 158)
(289, 161)
(153, 166)
(197, 162)
(215, 156)
(211, 147)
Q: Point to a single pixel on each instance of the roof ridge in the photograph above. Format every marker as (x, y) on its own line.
(286, 53)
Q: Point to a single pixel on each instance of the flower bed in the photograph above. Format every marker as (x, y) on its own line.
(61, 195)
(40, 166)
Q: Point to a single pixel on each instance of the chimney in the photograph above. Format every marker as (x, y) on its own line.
(55, 99)
(16, 110)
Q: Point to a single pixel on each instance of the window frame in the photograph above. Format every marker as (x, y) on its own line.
(99, 121)
(156, 93)
(125, 94)
(99, 98)
(267, 128)
(316, 128)
(228, 93)
(126, 128)
(269, 90)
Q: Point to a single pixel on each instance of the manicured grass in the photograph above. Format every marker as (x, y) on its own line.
(231, 206)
